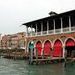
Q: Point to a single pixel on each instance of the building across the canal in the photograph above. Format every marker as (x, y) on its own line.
(14, 41)
(52, 36)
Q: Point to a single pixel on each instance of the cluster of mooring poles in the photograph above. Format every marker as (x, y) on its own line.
(69, 60)
(36, 59)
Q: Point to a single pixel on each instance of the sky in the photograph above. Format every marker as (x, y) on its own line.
(13, 13)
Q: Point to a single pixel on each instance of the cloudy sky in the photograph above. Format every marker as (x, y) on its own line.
(13, 13)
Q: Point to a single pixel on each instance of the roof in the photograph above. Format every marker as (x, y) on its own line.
(51, 17)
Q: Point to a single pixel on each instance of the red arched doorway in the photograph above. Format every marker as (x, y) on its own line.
(70, 42)
(57, 49)
(39, 47)
(70, 47)
(47, 48)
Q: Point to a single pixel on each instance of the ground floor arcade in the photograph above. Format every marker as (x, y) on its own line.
(55, 47)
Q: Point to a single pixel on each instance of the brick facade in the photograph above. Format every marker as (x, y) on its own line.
(13, 41)
(63, 37)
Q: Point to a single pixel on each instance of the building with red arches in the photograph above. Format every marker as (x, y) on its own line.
(52, 36)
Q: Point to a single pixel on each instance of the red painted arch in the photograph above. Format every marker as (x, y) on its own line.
(70, 42)
(58, 50)
(69, 46)
(39, 47)
(47, 48)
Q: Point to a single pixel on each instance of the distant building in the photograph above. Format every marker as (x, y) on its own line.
(4, 42)
(21, 40)
(18, 40)
(8, 41)
(14, 41)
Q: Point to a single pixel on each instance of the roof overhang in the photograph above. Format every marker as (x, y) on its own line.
(72, 12)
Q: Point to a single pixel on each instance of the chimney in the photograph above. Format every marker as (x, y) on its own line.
(52, 13)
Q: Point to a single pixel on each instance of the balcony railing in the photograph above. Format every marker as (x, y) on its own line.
(38, 33)
(50, 32)
(65, 29)
(44, 32)
(72, 29)
(58, 31)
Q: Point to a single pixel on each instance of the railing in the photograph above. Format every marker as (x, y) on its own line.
(29, 34)
(66, 29)
(44, 32)
(50, 32)
(72, 29)
(38, 33)
(58, 31)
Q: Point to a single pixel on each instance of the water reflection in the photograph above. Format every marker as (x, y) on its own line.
(20, 67)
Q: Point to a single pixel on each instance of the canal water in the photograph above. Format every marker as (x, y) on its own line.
(21, 67)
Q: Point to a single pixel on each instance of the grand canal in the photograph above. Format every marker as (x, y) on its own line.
(21, 67)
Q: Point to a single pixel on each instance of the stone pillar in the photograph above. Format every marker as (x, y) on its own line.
(69, 23)
(31, 31)
(26, 31)
(63, 52)
(41, 28)
(36, 29)
(47, 27)
(61, 25)
(54, 25)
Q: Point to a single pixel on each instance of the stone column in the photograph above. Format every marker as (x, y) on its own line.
(69, 23)
(26, 31)
(36, 29)
(47, 27)
(54, 25)
(61, 25)
(31, 31)
(41, 28)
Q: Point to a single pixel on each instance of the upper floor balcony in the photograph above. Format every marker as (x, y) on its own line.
(56, 24)
(51, 32)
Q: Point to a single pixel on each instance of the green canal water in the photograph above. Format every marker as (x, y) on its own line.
(21, 67)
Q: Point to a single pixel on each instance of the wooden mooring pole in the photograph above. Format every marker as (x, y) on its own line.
(31, 56)
(36, 56)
